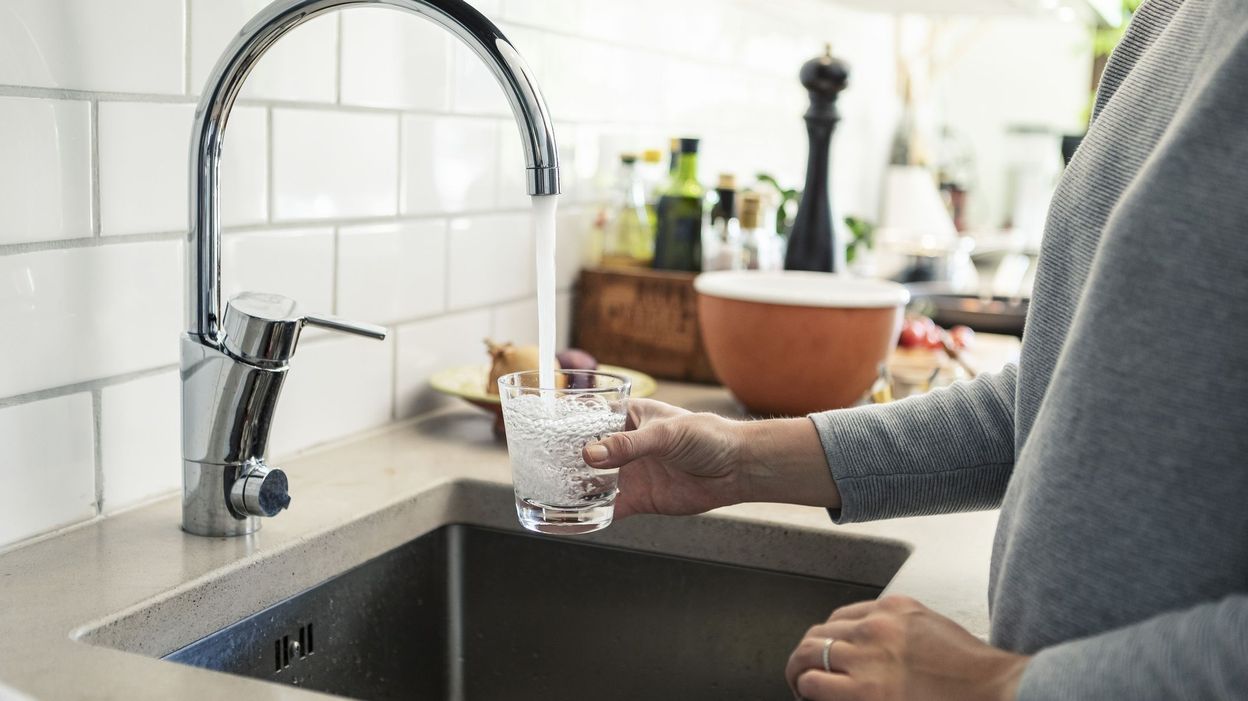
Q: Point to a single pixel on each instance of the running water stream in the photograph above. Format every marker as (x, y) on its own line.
(543, 218)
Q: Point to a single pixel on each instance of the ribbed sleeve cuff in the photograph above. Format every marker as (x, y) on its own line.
(838, 430)
(951, 450)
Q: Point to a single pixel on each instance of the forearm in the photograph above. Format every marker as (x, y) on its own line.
(782, 460)
(799, 461)
(949, 450)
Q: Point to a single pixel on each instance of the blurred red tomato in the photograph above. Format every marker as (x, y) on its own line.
(919, 332)
(962, 337)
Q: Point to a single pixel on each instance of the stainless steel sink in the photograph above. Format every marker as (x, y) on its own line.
(468, 612)
(439, 595)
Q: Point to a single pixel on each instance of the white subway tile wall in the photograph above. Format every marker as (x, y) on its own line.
(513, 322)
(449, 164)
(47, 465)
(51, 198)
(474, 89)
(303, 66)
(424, 347)
(79, 314)
(297, 263)
(140, 438)
(142, 174)
(490, 260)
(329, 164)
(340, 386)
(394, 60)
(117, 46)
(392, 272)
(372, 169)
(244, 168)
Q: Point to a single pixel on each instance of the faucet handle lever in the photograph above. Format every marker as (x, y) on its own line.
(334, 323)
(264, 328)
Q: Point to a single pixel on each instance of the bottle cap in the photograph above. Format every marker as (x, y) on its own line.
(674, 145)
(688, 145)
(727, 181)
(628, 158)
(751, 206)
(652, 155)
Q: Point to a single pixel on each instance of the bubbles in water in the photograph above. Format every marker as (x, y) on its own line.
(545, 436)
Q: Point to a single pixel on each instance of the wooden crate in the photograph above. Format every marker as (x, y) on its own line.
(642, 319)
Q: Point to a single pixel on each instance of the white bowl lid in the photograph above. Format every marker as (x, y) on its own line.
(801, 289)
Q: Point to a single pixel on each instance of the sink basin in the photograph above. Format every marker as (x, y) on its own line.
(475, 613)
(474, 608)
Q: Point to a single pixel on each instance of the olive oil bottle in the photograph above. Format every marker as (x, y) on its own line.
(629, 236)
(678, 236)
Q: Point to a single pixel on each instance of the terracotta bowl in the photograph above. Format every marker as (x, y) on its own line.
(790, 343)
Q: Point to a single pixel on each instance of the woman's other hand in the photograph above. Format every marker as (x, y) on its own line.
(895, 649)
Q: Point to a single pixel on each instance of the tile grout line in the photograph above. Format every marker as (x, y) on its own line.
(394, 374)
(187, 96)
(97, 225)
(616, 44)
(270, 166)
(401, 173)
(336, 244)
(186, 47)
(262, 226)
(84, 386)
(448, 231)
(449, 75)
(498, 162)
(97, 401)
(338, 59)
(9, 90)
(111, 380)
(87, 242)
(152, 98)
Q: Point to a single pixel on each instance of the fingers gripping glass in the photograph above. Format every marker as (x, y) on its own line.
(556, 492)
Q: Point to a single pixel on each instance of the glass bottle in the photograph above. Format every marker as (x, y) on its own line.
(678, 238)
(653, 175)
(725, 199)
(629, 241)
(762, 248)
(721, 242)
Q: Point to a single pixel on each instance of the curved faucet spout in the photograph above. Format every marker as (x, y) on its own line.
(456, 16)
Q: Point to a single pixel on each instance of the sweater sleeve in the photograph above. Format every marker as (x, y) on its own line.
(1198, 653)
(949, 450)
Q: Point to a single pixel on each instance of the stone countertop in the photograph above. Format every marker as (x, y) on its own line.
(65, 598)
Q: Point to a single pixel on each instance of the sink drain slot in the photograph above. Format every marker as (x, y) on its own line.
(287, 650)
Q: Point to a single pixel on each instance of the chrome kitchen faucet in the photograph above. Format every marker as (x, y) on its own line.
(234, 363)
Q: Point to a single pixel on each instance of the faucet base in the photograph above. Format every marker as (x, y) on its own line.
(205, 492)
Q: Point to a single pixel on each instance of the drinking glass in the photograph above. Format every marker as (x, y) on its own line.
(556, 492)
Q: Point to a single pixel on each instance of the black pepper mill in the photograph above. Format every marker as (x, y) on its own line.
(812, 241)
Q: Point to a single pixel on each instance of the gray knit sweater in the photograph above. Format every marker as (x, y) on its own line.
(1118, 448)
